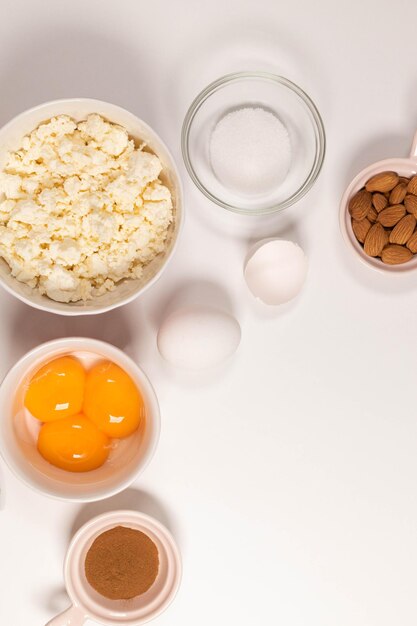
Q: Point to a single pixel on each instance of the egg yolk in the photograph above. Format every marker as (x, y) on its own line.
(73, 444)
(56, 390)
(112, 401)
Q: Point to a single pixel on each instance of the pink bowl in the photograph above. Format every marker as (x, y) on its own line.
(404, 167)
(88, 604)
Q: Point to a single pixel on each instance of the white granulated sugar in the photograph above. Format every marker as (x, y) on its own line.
(250, 150)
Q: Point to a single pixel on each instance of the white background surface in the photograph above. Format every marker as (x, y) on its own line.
(289, 476)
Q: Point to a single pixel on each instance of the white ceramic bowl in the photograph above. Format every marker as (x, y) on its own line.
(404, 167)
(78, 108)
(88, 604)
(18, 442)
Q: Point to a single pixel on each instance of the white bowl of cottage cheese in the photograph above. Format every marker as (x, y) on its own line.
(90, 206)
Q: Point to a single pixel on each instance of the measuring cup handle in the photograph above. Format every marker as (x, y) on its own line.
(413, 152)
(71, 617)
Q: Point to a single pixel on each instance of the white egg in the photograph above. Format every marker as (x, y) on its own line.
(276, 270)
(196, 338)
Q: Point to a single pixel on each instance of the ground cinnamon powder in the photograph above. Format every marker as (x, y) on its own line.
(122, 563)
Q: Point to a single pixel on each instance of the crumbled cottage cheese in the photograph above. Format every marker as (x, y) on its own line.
(81, 208)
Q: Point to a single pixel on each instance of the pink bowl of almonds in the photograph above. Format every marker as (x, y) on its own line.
(378, 214)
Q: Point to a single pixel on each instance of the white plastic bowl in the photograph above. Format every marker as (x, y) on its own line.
(18, 446)
(78, 108)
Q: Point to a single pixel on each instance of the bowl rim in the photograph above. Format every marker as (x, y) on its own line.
(391, 164)
(317, 122)
(72, 312)
(97, 345)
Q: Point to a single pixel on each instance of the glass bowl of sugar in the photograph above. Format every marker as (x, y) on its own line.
(253, 142)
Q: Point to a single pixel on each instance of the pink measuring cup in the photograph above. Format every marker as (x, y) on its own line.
(88, 604)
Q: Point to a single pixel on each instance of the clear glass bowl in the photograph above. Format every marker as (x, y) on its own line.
(292, 107)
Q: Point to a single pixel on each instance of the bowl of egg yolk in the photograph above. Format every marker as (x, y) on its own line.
(79, 419)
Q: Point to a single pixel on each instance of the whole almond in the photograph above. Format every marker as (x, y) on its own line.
(375, 240)
(402, 232)
(394, 255)
(412, 185)
(391, 215)
(398, 194)
(372, 215)
(361, 229)
(379, 201)
(404, 179)
(410, 203)
(412, 243)
(360, 204)
(383, 182)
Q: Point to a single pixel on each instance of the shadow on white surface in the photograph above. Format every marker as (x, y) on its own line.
(189, 379)
(238, 45)
(55, 600)
(2, 488)
(30, 327)
(73, 62)
(222, 222)
(287, 228)
(384, 146)
(131, 499)
(268, 312)
(372, 280)
(192, 293)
